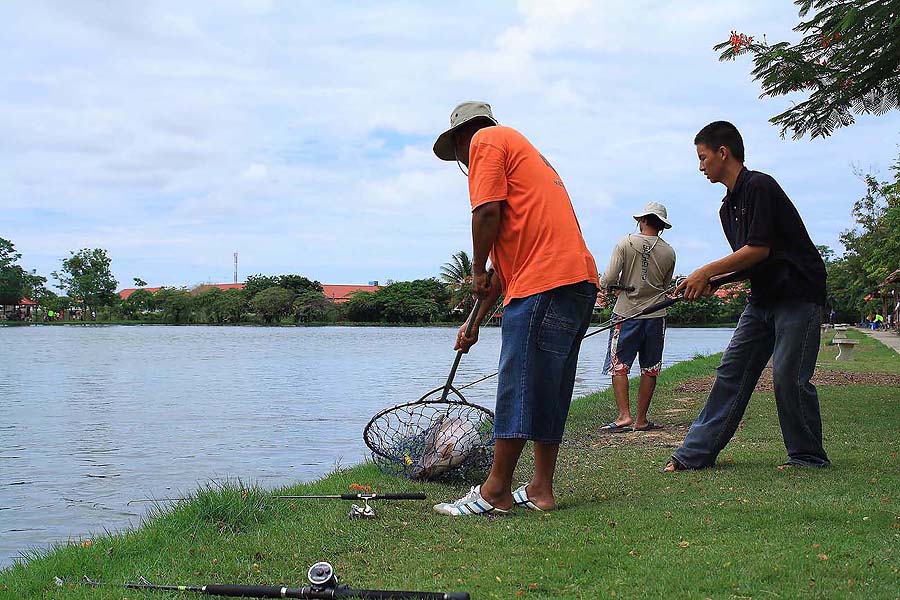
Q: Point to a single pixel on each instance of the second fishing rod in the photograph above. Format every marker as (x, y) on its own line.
(716, 282)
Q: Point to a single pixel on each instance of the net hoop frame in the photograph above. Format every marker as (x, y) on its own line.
(421, 402)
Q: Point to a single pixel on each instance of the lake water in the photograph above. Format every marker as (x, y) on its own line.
(92, 417)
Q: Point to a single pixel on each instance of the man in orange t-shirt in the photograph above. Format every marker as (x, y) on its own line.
(523, 220)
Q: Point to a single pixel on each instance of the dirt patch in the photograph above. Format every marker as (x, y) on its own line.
(669, 436)
(836, 378)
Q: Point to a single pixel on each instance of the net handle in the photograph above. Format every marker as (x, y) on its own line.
(469, 327)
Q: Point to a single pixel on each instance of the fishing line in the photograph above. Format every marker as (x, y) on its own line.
(605, 326)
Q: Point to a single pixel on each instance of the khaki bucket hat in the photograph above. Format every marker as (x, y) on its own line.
(462, 114)
(656, 209)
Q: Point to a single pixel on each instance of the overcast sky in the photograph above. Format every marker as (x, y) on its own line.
(299, 134)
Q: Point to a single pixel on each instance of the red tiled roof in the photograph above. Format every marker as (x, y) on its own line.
(27, 302)
(129, 291)
(340, 293)
(337, 292)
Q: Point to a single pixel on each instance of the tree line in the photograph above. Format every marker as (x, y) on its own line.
(89, 293)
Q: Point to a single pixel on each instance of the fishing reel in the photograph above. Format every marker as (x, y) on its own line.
(366, 511)
(322, 575)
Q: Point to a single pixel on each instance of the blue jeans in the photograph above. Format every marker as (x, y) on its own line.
(789, 333)
(541, 336)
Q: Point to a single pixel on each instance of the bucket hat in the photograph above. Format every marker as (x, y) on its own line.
(462, 114)
(656, 209)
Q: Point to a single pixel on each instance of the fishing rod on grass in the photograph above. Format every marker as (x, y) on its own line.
(366, 511)
(323, 585)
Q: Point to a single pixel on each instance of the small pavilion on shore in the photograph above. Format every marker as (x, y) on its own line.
(25, 310)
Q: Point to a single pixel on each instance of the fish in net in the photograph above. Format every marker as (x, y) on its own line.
(435, 438)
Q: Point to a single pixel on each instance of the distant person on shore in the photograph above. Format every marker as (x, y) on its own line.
(787, 292)
(644, 263)
(523, 219)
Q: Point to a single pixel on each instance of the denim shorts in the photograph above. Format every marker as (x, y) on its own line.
(638, 337)
(541, 336)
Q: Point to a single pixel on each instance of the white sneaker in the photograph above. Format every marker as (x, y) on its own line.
(471, 504)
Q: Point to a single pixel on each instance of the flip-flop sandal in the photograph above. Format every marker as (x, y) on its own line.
(650, 426)
(521, 499)
(611, 427)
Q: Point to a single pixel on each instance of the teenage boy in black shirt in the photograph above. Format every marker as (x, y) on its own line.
(787, 293)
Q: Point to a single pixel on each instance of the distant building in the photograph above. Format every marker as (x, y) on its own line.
(129, 291)
(340, 293)
(25, 309)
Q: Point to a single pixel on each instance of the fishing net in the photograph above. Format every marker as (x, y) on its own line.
(433, 439)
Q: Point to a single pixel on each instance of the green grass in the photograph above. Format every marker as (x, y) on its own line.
(742, 530)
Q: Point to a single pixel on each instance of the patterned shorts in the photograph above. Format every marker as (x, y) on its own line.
(639, 337)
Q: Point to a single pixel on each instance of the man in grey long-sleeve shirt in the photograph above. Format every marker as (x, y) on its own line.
(643, 264)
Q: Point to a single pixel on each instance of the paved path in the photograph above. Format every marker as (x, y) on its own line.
(888, 338)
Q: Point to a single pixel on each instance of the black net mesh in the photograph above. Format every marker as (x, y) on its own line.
(433, 440)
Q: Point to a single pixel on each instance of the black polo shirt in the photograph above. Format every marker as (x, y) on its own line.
(757, 212)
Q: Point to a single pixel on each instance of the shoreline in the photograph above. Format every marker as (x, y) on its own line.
(739, 528)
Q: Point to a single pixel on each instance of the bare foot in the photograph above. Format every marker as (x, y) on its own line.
(497, 498)
(670, 467)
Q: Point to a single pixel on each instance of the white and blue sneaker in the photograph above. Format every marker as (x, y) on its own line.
(471, 504)
(521, 498)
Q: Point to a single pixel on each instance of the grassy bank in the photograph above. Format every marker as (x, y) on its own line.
(742, 530)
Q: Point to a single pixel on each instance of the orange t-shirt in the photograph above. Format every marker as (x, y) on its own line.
(539, 245)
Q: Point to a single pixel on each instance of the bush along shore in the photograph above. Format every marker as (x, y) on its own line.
(744, 529)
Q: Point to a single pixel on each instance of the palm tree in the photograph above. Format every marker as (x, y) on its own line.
(457, 274)
(459, 270)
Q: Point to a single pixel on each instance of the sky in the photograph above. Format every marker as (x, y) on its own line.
(299, 134)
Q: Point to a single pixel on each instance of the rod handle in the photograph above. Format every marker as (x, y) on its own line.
(398, 595)
(726, 278)
(244, 591)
